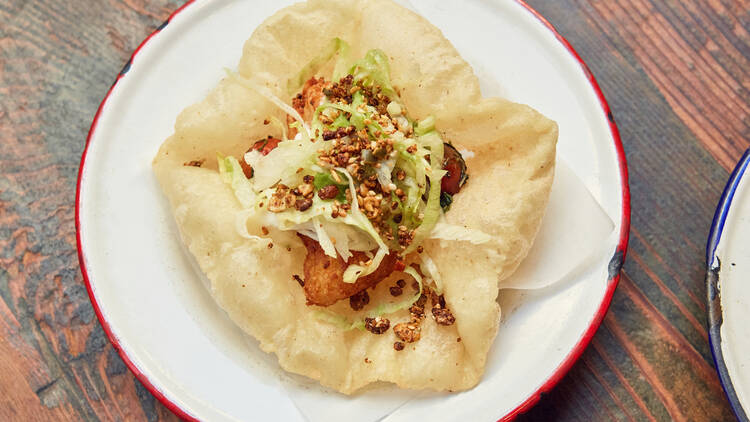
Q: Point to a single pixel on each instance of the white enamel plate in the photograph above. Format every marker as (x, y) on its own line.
(728, 262)
(156, 311)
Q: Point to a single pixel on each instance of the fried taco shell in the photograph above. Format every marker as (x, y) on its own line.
(511, 171)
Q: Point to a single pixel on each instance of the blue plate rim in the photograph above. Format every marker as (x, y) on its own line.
(713, 269)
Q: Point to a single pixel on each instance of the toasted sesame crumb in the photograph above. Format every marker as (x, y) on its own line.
(443, 316)
(408, 331)
(328, 192)
(195, 163)
(377, 325)
(358, 301)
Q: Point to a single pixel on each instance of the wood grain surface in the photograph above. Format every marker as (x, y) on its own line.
(675, 74)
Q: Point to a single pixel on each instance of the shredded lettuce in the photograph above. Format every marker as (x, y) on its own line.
(323, 238)
(281, 126)
(429, 267)
(337, 45)
(389, 308)
(340, 239)
(425, 126)
(384, 172)
(416, 168)
(357, 118)
(337, 320)
(341, 121)
(355, 271)
(317, 223)
(266, 93)
(345, 324)
(421, 208)
(445, 231)
(322, 180)
(231, 173)
(394, 109)
(432, 210)
(345, 238)
(282, 163)
(374, 68)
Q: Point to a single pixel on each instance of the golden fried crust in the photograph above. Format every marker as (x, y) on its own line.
(324, 275)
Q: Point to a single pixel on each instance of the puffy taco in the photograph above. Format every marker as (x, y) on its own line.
(324, 191)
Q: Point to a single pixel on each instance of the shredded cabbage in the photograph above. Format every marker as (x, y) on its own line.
(317, 223)
(281, 126)
(384, 172)
(375, 68)
(231, 173)
(394, 109)
(324, 239)
(282, 163)
(429, 267)
(339, 321)
(445, 231)
(340, 239)
(265, 92)
(345, 324)
(389, 308)
(432, 210)
(337, 45)
(355, 271)
(425, 126)
(339, 236)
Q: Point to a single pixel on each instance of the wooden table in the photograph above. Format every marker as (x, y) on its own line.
(675, 73)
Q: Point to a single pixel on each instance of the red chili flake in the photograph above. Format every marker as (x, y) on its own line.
(399, 265)
(266, 145)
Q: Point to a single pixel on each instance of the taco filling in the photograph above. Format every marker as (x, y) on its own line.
(361, 183)
(337, 226)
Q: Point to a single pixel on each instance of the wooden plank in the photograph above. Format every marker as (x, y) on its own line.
(57, 59)
(653, 346)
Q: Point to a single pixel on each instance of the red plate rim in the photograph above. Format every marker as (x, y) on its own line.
(559, 372)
